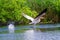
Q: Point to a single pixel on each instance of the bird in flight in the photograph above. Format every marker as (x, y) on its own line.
(37, 19)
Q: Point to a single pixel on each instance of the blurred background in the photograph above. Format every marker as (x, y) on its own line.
(11, 10)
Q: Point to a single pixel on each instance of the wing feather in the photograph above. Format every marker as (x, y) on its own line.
(28, 17)
(42, 13)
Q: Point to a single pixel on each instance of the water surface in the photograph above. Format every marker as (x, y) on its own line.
(27, 33)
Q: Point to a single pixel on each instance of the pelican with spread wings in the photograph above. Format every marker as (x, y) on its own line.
(37, 19)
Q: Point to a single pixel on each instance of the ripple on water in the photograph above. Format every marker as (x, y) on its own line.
(30, 35)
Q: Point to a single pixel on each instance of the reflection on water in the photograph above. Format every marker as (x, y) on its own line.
(38, 35)
(32, 35)
(29, 34)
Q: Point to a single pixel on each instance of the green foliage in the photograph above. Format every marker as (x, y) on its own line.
(53, 8)
(13, 9)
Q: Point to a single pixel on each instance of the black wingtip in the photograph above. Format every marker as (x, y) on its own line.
(44, 10)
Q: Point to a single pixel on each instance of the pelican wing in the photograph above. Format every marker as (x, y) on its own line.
(41, 14)
(28, 17)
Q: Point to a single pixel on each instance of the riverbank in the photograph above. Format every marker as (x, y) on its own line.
(5, 24)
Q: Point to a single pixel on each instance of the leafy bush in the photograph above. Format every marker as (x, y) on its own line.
(12, 10)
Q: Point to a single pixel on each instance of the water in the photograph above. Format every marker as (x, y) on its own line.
(27, 33)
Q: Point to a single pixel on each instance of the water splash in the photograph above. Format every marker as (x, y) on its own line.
(11, 28)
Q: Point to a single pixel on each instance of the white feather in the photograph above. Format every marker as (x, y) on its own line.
(28, 17)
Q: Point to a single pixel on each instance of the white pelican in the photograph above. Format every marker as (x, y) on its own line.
(37, 19)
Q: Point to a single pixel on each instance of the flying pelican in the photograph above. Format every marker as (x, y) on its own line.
(37, 19)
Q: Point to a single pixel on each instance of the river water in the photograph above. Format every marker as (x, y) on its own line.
(27, 33)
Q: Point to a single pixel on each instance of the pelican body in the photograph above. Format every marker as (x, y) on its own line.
(37, 19)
